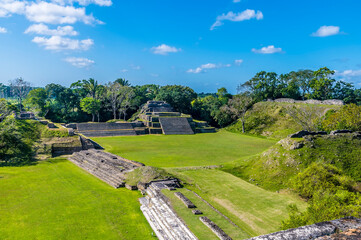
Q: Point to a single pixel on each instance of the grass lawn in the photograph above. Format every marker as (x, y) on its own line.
(255, 210)
(58, 200)
(185, 150)
(193, 222)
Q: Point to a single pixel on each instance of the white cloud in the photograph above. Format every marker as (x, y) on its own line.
(165, 49)
(79, 62)
(267, 50)
(136, 67)
(106, 3)
(238, 61)
(237, 17)
(42, 29)
(203, 68)
(326, 31)
(349, 73)
(9, 7)
(124, 70)
(44, 12)
(60, 43)
(236, 1)
(3, 30)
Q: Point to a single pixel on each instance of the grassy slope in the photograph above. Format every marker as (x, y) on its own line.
(255, 210)
(275, 168)
(185, 150)
(271, 119)
(193, 222)
(58, 200)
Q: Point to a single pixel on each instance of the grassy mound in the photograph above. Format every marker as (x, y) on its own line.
(146, 174)
(57, 200)
(185, 150)
(273, 120)
(275, 168)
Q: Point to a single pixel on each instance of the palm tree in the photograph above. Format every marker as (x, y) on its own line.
(122, 82)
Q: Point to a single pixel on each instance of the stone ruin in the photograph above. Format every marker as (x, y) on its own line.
(156, 117)
(107, 167)
(25, 115)
(345, 228)
(163, 220)
(309, 101)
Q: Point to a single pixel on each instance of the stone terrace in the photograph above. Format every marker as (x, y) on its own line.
(105, 166)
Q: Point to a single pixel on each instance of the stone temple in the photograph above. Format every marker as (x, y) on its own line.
(155, 117)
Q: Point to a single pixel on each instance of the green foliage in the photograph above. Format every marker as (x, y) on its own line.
(38, 99)
(16, 140)
(322, 84)
(90, 106)
(348, 117)
(208, 108)
(179, 97)
(320, 177)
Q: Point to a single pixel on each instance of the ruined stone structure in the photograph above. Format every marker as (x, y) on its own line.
(215, 229)
(156, 117)
(25, 115)
(331, 230)
(163, 220)
(107, 167)
(309, 101)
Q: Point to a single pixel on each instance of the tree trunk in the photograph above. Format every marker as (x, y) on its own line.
(93, 117)
(98, 116)
(114, 113)
(243, 124)
(124, 115)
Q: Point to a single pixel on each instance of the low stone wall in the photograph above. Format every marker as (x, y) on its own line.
(217, 230)
(315, 231)
(185, 200)
(309, 101)
(305, 133)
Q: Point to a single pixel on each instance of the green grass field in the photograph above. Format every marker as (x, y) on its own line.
(185, 150)
(58, 200)
(201, 231)
(255, 210)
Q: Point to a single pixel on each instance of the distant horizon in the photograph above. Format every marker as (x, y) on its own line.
(205, 45)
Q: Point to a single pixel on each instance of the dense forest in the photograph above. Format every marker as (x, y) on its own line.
(88, 100)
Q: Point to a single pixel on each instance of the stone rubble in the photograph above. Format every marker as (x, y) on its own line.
(185, 200)
(217, 230)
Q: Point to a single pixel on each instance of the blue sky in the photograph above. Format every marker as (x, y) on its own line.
(204, 44)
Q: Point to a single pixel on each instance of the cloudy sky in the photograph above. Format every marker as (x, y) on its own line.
(204, 44)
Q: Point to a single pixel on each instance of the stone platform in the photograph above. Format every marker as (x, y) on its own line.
(107, 167)
(106, 129)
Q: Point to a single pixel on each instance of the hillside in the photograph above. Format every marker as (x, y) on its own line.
(273, 119)
(276, 167)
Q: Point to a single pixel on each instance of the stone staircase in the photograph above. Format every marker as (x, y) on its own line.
(164, 222)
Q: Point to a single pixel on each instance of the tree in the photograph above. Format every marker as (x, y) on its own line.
(304, 77)
(127, 102)
(38, 99)
(90, 106)
(112, 95)
(123, 82)
(20, 89)
(90, 86)
(263, 86)
(321, 84)
(238, 106)
(179, 97)
(5, 109)
(307, 116)
(126, 94)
